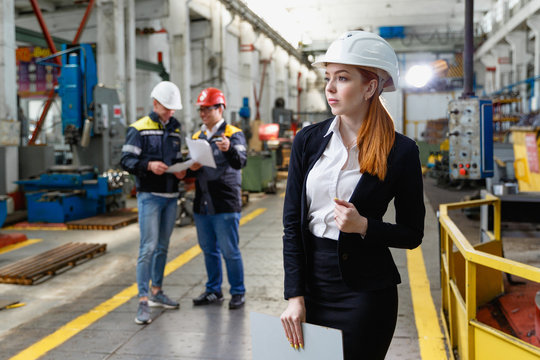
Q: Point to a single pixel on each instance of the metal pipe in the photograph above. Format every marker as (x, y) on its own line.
(37, 130)
(468, 50)
(83, 21)
(52, 47)
(258, 98)
(41, 21)
(238, 7)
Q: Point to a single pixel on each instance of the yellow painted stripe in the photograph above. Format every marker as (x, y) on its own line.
(19, 245)
(61, 227)
(252, 215)
(181, 260)
(430, 338)
(75, 326)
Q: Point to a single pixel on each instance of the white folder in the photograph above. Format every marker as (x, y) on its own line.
(270, 343)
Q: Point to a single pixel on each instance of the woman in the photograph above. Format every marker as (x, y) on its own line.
(343, 173)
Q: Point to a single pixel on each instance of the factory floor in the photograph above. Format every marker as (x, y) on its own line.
(88, 311)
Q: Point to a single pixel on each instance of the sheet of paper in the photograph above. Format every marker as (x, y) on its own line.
(201, 152)
(269, 342)
(180, 166)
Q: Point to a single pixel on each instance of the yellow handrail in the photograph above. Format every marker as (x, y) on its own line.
(472, 339)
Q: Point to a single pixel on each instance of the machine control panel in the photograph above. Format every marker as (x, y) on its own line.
(470, 132)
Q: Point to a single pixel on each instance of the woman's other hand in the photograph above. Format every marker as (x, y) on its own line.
(348, 219)
(292, 319)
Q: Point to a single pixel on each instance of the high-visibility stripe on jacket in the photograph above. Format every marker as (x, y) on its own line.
(147, 140)
(219, 190)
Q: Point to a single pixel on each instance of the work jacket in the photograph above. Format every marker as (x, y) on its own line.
(365, 263)
(219, 190)
(148, 140)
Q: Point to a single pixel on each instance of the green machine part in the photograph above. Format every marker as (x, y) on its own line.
(260, 173)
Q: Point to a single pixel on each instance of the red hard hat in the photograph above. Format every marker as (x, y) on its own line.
(211, 96)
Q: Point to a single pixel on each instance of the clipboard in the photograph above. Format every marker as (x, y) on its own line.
(269, 342)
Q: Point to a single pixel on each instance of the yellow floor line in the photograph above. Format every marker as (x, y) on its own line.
(430, 338)
(75, 326)
(16, 246)
(252, 215)
(61, 227)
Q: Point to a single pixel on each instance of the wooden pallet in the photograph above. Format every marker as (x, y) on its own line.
(31, 269)
(110, 221)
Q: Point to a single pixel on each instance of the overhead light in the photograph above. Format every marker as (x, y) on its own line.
(419, 75)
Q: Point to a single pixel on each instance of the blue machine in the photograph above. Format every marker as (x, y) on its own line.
(470, 130)
(65, 193)
(3, 210)
(76, 85)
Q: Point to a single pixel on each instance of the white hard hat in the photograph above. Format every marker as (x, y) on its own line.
(363, 48)
(168, 95)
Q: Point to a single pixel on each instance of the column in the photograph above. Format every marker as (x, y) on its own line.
(534, 23)
(9, 126)
(110, 46)
(490, 65)
(131, 75)
(520, 59)
(501, 52)
(180, 59)
(8, 84)
(246, 68)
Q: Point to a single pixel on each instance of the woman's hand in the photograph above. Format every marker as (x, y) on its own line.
(292, 319)
(348, 219)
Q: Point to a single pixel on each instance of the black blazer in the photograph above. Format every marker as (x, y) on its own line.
(365, 263)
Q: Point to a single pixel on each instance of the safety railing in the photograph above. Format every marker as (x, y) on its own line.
(472, 276)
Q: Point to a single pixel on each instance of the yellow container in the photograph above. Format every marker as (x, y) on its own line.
(527, 154)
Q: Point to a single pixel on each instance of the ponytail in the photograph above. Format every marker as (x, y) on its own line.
(376, 136)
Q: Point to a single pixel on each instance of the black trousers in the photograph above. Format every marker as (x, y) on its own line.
(367, 319)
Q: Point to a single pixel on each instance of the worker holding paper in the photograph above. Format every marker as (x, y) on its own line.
(218, 200)
(153, 145)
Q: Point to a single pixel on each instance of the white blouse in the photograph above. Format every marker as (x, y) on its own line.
(335, 175)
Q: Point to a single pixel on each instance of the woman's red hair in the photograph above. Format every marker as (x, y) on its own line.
(376, 135)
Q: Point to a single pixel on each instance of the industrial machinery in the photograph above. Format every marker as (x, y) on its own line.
(526, 142)
(470, 128)
(3, 209)
(94, 126)
(92, 118)
(65, 193)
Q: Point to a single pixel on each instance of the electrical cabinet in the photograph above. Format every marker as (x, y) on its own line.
(470, 132)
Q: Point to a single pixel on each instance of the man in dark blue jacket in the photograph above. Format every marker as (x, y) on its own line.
(218, 200)
(152, 145)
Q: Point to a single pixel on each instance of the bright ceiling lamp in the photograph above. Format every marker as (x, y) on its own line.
(419, 75)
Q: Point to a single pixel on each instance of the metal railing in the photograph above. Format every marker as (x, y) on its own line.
(472, 276)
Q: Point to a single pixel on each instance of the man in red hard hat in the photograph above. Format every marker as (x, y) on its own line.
(218, 200)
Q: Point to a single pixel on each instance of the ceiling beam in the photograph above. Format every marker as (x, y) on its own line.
(523, 14)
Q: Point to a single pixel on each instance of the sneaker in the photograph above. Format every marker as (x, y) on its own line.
(207, 298)
(143, 313)
(162, 300)
(237, 301)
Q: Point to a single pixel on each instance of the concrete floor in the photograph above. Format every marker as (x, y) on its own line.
(212, 332)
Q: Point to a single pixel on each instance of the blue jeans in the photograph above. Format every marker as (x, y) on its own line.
(157, 215)
(218, 235)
